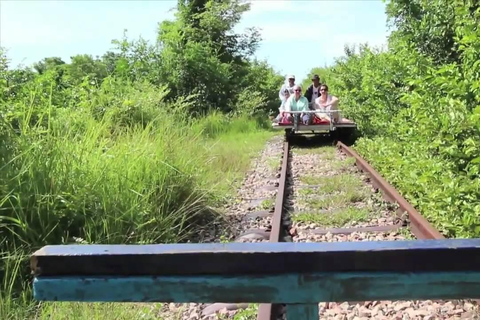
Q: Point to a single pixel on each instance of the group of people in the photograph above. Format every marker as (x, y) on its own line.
(316, 98)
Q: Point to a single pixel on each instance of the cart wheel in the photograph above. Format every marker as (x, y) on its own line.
(288, 134)
(346, 135)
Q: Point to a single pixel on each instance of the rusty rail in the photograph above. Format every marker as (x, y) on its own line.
(271, 311)
(60, 274)
(421, 228)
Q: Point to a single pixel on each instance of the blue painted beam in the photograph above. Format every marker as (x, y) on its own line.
(302, 311)
(255, 247)
(287, 288)
(249, 258)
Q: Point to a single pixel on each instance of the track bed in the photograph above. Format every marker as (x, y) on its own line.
(334, 201)
(327, 199)
(248, 218)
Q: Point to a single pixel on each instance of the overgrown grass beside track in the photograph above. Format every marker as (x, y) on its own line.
(114, 149)
(70, 177)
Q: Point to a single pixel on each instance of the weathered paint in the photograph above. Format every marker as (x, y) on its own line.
(287, 288)
(260, 247)
(302, 311)
(249, 258)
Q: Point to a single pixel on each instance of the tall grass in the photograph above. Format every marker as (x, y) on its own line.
(120, 165)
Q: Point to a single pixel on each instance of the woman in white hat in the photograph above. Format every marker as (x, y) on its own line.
(288, 85)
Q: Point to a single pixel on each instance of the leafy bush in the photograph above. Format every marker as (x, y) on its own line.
(121, 167)
(416, 106)
(140, 145)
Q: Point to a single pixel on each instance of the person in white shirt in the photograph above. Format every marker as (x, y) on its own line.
(288, 85)
(327, 102)
(283, 107)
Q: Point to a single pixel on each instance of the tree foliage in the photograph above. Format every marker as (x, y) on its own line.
(201, 47)
(196, 55)
(113, 148)
(431, 26)
(416, 105)
(197, 65)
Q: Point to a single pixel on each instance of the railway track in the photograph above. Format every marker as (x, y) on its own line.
(313, 191)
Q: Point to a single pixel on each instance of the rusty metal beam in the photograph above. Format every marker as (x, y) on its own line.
(421, 228)
(271, 311)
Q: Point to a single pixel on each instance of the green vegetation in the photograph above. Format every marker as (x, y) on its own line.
(249, 313)
(344, 198)
(141, 145)
(267, 204)
(309, 180)
(338, 218)
(98, 311)
(274, 163)
(339, 183)
(416, 104)
(326, 153)
(333, 202)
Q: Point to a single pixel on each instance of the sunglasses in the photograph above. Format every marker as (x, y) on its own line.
(298, 90)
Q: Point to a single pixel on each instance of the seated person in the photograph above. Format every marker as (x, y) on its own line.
(297, 102)
(281, 110)
(313, 91)
(327, 102)
(288, 85)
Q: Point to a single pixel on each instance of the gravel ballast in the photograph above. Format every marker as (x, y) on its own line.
(325, 192)
(330, 164)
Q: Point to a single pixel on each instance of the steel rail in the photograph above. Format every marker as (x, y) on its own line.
(420, 227)
(271, 311)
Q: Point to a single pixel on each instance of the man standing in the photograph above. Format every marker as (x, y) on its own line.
(313, 91)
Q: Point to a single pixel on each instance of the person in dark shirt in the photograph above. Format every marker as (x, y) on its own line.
(313, 91)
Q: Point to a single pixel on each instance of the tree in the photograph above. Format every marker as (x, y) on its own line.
(110, 59)
(201, 54)
(430, 26)
(84, 65)
(48, 64)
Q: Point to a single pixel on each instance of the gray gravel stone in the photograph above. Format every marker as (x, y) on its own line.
(259, 182)
(401, 310)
